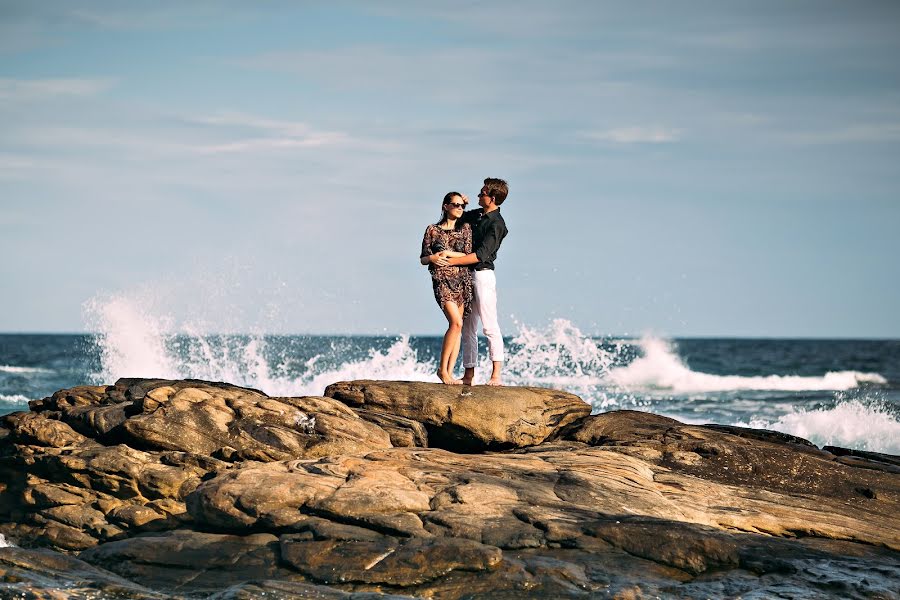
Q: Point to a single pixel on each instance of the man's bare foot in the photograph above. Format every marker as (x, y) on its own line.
(494, 382)
(465, 381)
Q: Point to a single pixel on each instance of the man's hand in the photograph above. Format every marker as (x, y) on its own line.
(439, 260)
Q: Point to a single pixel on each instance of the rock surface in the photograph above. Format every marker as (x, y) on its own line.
(465, 419)
(396, 489)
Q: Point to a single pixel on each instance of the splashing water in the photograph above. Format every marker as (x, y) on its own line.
(850, 424)
(131, 339)
(136, 341)
(559, 355)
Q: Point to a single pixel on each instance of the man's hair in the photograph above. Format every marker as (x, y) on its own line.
(496, 189)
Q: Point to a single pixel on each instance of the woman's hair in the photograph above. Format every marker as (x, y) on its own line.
(447, 198)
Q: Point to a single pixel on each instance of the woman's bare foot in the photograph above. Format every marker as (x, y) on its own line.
(447, 379)
(494, 382)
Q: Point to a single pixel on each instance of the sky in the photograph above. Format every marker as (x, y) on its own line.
(688, 169)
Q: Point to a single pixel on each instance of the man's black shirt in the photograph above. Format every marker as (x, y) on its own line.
(488, 230)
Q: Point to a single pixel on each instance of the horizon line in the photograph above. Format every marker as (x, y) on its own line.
(848, 338)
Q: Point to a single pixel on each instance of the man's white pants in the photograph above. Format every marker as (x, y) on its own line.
(484, 308)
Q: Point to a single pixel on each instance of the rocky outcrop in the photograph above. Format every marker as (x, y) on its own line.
(415, 489)
(465, 419)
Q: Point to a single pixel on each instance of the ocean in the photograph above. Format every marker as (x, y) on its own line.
(831, 392)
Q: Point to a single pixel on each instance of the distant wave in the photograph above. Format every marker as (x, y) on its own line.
(660, 367)
(850, 424)
(13, 400)
(15, 369)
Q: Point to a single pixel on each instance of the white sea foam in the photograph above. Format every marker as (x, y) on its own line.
(13, 400)
(4, 543)
(850, 424)
(661, 368)
(15, 369)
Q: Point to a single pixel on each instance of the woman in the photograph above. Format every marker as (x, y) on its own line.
(452, 285)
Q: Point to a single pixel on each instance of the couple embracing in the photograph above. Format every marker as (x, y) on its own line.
(460, 250)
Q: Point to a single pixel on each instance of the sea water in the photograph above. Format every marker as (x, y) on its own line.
(832, 392)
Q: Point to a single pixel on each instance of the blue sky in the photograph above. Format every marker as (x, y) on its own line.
(692, 168)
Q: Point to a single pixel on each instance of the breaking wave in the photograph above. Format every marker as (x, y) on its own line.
(661, 368)
(850, 424)
(15, 369)
(13, 401)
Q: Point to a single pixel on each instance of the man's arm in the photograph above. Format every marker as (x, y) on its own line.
(489, 245)
(466, 259)
(440, 259)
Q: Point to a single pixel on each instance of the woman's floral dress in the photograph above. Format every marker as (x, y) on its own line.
(451, 284)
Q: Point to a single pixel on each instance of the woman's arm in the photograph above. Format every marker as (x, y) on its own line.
(425, 256)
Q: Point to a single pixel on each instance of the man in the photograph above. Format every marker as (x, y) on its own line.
(488, 231)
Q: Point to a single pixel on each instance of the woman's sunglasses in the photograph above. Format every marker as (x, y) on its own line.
(456, 204)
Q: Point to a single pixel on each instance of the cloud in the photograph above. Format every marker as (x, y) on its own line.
(19, 90)
(14, 166)
(636, 135)
(259, 133)
(114, 15)
(175, 136)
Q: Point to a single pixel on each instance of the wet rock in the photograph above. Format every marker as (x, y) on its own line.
(285, 590)
(44, 574)
(386, 561)
(465, 418)
(201, 562)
